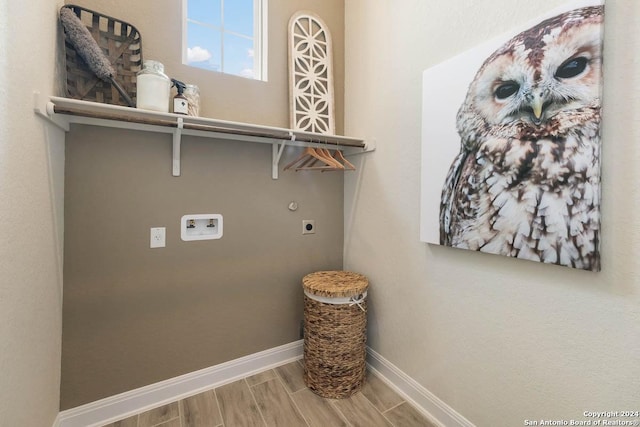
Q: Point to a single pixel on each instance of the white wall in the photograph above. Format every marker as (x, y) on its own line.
(499, 340)
(31, 162)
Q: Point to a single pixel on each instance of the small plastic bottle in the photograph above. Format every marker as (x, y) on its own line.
(180, 102)
(154, 87)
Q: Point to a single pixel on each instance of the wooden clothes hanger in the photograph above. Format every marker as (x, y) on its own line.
(311, 156)
(307, 159)
(327, 155)
(346, 163)
(332, 164)
(339, 159)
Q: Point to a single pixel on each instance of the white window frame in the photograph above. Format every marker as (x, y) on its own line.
(260, 42)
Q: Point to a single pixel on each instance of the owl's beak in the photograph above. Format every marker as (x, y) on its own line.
(537, 104)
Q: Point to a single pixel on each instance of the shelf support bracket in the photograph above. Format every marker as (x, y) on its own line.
(177, 137)
(276, 155)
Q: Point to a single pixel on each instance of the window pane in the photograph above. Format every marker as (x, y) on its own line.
(238, 56)
(238, 16)
(205, 11)
(203, 47)
(221, 36)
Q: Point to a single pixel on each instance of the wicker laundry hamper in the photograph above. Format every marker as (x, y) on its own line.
(335, 321)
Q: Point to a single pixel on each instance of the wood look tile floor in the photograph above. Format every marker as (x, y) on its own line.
(279, 398)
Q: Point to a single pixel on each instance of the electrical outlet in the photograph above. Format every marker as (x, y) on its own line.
(158, 237)
(308, 226)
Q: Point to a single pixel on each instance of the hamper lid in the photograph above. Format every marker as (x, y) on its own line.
(335, 283)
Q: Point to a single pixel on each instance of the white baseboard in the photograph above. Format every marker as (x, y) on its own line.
(421, 398)
(120, 406)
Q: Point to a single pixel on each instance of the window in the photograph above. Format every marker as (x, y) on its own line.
(227, 36)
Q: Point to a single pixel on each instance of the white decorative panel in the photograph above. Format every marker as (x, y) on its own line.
(310, 74)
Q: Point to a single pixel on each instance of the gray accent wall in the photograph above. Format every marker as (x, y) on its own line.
(135, 315)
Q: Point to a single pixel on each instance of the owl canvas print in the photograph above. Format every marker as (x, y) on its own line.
(513, 168)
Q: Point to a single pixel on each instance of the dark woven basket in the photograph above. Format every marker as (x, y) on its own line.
(335, 333)
(122, 44)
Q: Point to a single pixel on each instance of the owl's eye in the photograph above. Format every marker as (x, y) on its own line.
(572, 67)
(507, 89)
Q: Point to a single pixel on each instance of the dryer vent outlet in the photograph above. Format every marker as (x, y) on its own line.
(308, 226)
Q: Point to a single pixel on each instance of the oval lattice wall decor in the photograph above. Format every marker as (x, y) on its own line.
(310, 74)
